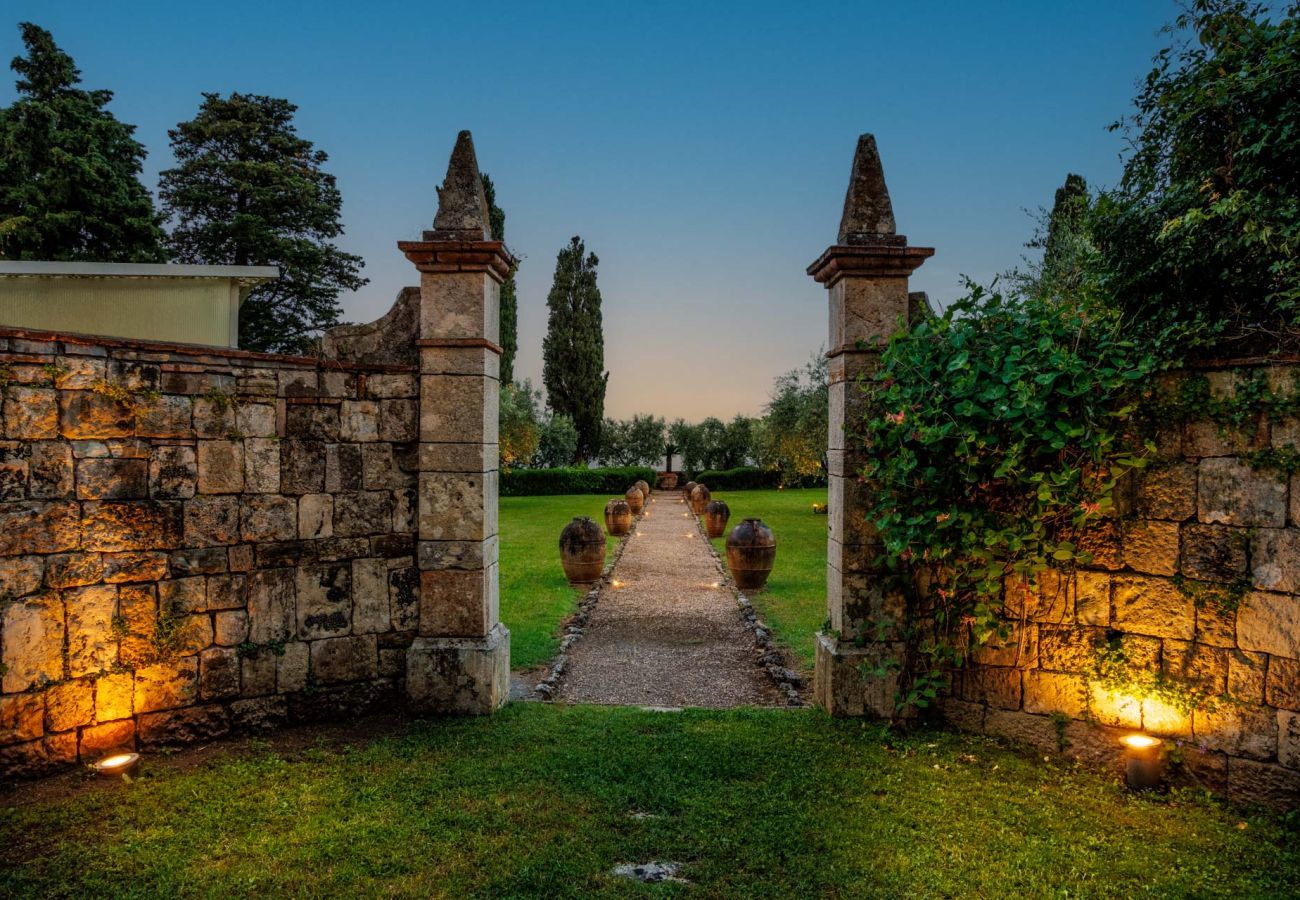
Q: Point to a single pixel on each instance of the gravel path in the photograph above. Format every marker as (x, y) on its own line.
(666, 632)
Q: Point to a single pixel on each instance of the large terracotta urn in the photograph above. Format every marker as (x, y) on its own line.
(644, 487)
(582, 551)
(716, 515)
(635, 499)
(700, 498)
(667, 480)
(618, 517)
(686, 490)
(751, 551)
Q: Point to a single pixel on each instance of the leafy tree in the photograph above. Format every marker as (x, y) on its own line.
(1204, 230)
(638, 441)
(797, 423)
(69, 170)
(557, 443)
(712, 433)
(1064, 234)
(686, 441)
(573, 352)
(737, 445)
(520, 430)
(247, 190)
(509, 291)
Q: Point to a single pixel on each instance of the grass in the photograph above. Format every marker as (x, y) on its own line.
(794, 601)
(535, 597)
(544, 800)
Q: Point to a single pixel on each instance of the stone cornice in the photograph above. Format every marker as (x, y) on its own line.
(868, 261)
(491, 257)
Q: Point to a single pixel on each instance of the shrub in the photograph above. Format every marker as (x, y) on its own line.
(745, 478)
(572, 480)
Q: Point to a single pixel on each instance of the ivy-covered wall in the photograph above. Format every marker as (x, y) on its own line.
(194, 542)
(1186, 623)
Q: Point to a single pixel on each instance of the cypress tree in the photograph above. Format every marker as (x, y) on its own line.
(69, 170)
(509, 301)
(247, 190)
(573, 352)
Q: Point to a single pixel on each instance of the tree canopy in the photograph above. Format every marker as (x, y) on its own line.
(573, 351)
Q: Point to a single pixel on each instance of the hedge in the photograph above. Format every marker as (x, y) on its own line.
(750, 478)
(573, 480)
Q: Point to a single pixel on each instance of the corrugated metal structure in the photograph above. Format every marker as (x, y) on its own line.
(181, 303)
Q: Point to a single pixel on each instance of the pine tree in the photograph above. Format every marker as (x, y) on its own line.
(69, 171)
(573, 352)
(509, 296)
(247, 190)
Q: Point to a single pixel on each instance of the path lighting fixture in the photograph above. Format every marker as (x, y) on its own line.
(1142, 763)
(118, 765)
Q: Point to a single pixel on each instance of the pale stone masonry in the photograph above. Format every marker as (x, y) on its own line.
(196, 541)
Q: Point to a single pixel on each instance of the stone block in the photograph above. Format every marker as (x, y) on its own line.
(1050, 692)
(262, 466)
(65, 570)
(457, 457)
(299, 383)
(1151, 547)
(138, 525)
(255, 420)
(68, 705)
(315, 516)
(1103, 541)
(38, 527)
(1206, 667)
(370, 608)
(324, 601)
(106, 738)
(50, 471)
(339, 659)
(1167, 492)
(1283, 684)
(469, 555)
(218, 673)
(268, 517)
(479, 361)
(214, 417)
(1162, 719)
(230, 627)
(359, 421)
(78, 373)
(292, 668)
(458, 507)
(166, 685)
(458, 604)
(1238, 730)
(1069, 649)
(1153, 606)
(259, 715)
(1275, 559)
(386, 386)
(135, 566)
(178, 727)
(199, 560)
(398, 420)
(404, 598)
(88, 415)
(1092, 598)
(14, 470)
(271, 605)
(31, 414)
(1114, 709)
(993, 686)
(1203, 438)
(221, 467)
(212, 521)
(459, 305)
(459, 675)
(379, 470)
(1269, 623)
(112, 479)
(848, 500)
(1216, 626)
(227, 592)
(1251, 782)
(21, 575)
(1213, 552)
(129, 448)
(257, 673)
(173, 473)
(458, 408)
(302, 467)
(1288, 739)
(241, 558)
(168, 417)
(362, 512)
(114, 696)
(33, 632)
(258, 382)
(92, 644)
(1231, 492)
(182, 596)
(343, 468)
(312, 422)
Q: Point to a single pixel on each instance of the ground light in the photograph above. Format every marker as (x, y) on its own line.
(119, 765)
(1142, 765)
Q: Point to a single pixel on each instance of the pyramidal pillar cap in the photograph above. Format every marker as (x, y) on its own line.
(462, 204)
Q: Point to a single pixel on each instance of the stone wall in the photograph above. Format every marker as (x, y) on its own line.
(196, 541)
(1197, 580)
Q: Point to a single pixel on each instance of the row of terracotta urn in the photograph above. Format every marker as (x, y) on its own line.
(582, 542)
(751, 546)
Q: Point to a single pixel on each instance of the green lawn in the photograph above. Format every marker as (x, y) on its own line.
(542, 801)
(535, 597)
(794, 601)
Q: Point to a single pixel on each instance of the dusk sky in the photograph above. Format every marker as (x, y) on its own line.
(701, 149)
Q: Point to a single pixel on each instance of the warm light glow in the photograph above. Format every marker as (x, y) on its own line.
(117, 764)
(716, 584)
(1139, 741)
(617, 584)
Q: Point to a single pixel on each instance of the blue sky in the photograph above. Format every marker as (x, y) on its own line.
(701, 149)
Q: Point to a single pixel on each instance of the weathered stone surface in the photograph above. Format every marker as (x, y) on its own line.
(1213, 552)
(458, 554)
(370, 610)
(200, 560)
(166, 685)
(458, 604)
(385, 386)
(14, 469)
(221, 467)
(1069, 649)
(50, 471)
(33, 642)
(170, 416)
(271, 602)
(133, 566)
(173, 473)
(398, 420)
(312, 423)
(462, 206)
(31, 414)
(21, 718)
(997, 687)
(1269, 623)
(1206, 438)
(404, 598)
(292, 668)
(218, 673)
(302, 467)
(226, 592)
(255, 420)
(214, 417)
(344, 659)
(114, 696)
(379, 470)
(262, 466)
(1049, 692)
(140, 525)
(1207, 667)
(137, 607)
(85, 414)
(459, 675)
(359, 420)
(1037, 731)
(1283, 684)
(1216, 626)
(1113, 709)
(65, 570)
(129, 448)
(178, 727)
(1275, 559)
(454, 507)
(1167, 492)
(1257, 782)
(69, 704)
(362, 512)
(211, 521)
(343, 468)
(241, 558)
(1231, 492)
(258, 715)
(1151, 547)
(1238, 730)
(269, 517)
(868, 212)
(257, 672)
(324, 601)
(183, 596)
(315, 516)
(230, 627)
(103, 739)
(1153, 606)
(112, 479)
(35, 527)
(1162, 719)
(21, 575)
(78, 373)
(463, 407)
(1103, 540)
(92, 646)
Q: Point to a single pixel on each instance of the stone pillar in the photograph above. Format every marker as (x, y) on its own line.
(460, 663)
(866, 274)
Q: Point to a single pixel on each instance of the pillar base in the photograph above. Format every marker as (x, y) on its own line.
(459, 676)
(843, 684)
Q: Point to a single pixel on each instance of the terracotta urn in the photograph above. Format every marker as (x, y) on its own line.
(716, 515)
(686, 490)
(644, 487)
(751, 551)
(667, 480)
(635, 499)
(618, 517)
(582, 551)
(700, 498)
